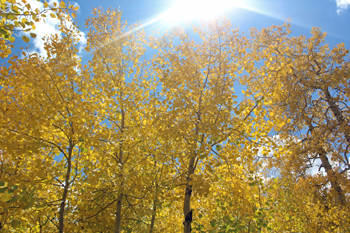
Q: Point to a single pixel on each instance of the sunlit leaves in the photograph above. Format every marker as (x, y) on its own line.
(296, 76)
(83, 143)
(20, 16)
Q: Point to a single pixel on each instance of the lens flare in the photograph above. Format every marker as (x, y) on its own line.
(185, 10)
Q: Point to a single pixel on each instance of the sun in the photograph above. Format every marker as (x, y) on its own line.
(186, 10)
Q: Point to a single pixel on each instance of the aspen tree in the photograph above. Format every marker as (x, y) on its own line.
(297, 75)
(198, 95)
(43, 116)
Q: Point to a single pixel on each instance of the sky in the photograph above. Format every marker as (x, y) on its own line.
(332, 16)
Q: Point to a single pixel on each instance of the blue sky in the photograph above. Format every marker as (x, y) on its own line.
(333, 16)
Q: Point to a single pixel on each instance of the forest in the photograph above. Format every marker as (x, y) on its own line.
(121, 143)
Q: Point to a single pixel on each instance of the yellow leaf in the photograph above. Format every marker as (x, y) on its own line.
(7, 51)
(74, 15)
(25, 39)
(6, 197)
(52, 15)
(76, 8)
(62, 5)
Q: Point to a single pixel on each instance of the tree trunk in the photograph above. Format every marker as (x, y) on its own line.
(187, 202)
(331, 175)
(154, 211)
(65, 191)
(118, 213)
(338, 115)
(329, 170)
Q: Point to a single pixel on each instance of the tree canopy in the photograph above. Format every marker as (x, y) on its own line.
(127, 144)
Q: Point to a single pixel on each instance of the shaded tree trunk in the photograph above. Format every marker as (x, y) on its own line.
(118, 213)
(154, 212)
(187, 201)
(331, 175)
(329, 170)
(66, 187)
(338, 115)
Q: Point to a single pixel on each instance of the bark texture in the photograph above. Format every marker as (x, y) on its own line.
(65, 191)
(187, 202)
(118, 212)
(329, 170)
(338, 115)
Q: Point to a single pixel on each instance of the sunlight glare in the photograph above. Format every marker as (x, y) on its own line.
(185, 10)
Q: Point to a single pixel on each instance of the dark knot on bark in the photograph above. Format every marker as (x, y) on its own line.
(188, 191)
(188, 217)
(188, 220)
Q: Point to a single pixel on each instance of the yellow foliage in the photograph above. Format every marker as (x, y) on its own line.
(125, 144)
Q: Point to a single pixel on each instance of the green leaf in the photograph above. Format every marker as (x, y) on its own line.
(3, 31)
(213, 223)
(14, 187)
(2, 183)
(30, 23)
(15, 224)
(12, 17)
(2, 190)
(252, 183)
(30, 204)
(25, 39)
